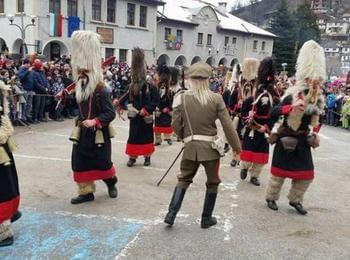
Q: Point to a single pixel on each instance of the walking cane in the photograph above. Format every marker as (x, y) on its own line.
(171, 166)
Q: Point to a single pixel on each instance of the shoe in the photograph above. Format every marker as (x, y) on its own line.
(244, 174)
(35, 122)
(272, 204)
(254, 181)
(175, 205)
(83, 198)
(131, 162)
(16, 216)
(169, 142)
(30, 121)
(233, 163)
(112, 188)
(157, 144)
(300, 209)
(59, 119)
(147, 161)
(6, 242)
(209, 203)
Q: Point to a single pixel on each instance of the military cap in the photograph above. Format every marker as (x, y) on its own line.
(200, 70)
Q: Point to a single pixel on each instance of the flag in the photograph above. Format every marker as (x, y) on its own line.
(73, 24)
(56, 21)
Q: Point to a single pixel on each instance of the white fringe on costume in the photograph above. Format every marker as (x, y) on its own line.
(250, 68)
(5, 230)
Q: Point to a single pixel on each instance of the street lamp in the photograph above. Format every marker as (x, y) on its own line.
(22, 28)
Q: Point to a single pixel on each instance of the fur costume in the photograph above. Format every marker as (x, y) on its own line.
(249, 74)
(86, 56)
(6, 128)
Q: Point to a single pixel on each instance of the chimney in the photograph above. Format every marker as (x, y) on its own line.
(222, 7)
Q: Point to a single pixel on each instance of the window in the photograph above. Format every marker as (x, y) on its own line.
(2, 6)
(131, 14)
(143, 16)
(167, 33)
(179, 35)
(109, 52)
(123, 55)
(111, 7)
(200, 38)
(255, 45)
(55, 6)
(72, 7)
(209, 39)
(234, 41)
(227, 39)
(96, 10)
(20, 6)
(263, 46)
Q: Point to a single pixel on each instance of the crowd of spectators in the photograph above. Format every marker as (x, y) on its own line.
(34, 85)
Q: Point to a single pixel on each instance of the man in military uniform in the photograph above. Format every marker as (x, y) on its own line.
(199, 135)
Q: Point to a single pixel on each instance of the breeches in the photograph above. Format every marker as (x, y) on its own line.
(296, 192)
(189, 169)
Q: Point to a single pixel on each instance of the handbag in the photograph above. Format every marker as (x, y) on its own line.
(289, 143)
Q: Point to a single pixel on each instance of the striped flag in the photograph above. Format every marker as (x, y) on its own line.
(56, 21)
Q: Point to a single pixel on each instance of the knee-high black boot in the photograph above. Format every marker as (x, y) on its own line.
(209, 203)
(175, 205)
(111, 185)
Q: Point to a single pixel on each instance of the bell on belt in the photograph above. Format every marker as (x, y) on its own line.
(111, 131)
(75, 136)
(4, 157)
(99, 139)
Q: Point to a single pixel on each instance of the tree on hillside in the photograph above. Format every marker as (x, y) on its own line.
(306, 25)
(283, 25)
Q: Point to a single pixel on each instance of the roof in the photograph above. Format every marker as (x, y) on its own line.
(184, 10)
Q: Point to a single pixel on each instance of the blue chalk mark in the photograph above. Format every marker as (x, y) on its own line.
(52, 236)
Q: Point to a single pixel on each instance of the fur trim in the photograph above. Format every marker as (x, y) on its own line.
(250, 68)
(86, 55)
(311, 63)
(235, 77)
(6, 128)
(5, 230)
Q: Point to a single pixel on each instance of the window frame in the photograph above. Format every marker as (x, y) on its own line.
(200, 37)
(71, 4)
(20, 3)
(143, 16)
(255, 45)
(113, 52)
(263, 45)
(53, 5)
(234, 41)
(2, 6)
(177, 34)
(209, 39)
(128, 22)
(167, 32)
(126, 55)
(96, 10)
(227, 41)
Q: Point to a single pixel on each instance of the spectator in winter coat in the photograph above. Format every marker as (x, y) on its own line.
(41, 85)
(26, 77)
(331, 100)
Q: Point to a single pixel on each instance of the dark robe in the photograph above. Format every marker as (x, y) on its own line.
(255, 148)
(141, 139)
(91, 161)
(9, 190)
(163, 121)
(297, 164)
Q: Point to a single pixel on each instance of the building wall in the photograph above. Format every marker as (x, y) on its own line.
(217, 51)
(125, 37)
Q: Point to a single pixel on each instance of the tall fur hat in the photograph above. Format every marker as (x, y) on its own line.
(138, 66)
(266, 72)
(311, 63)
(163, 70)
(86, 55)
(250, 68)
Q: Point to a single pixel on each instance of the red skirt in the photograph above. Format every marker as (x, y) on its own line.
(254, 157)
(163, 130)
(135, 150)
(94, 175)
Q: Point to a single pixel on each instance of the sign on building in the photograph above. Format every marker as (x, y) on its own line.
(174, 42)
(107, 35)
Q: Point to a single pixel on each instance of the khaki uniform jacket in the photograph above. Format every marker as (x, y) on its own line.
(202, 120)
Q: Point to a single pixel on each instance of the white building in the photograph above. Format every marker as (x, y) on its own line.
(123, 24)
(337, 27)
(192, 30)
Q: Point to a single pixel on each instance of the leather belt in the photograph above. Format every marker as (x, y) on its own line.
(204, 138)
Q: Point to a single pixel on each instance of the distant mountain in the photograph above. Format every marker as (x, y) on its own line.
(260, 12)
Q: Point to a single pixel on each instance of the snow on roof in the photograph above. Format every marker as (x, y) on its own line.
(183, 10)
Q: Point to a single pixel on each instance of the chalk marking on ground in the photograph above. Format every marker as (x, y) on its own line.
(42, 158)
(124, 252)
(324, 136)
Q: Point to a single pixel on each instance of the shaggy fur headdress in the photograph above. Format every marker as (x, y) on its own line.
(250, 68)
(311, 63)
(86, 54)
(236, 74)
(138, 71)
